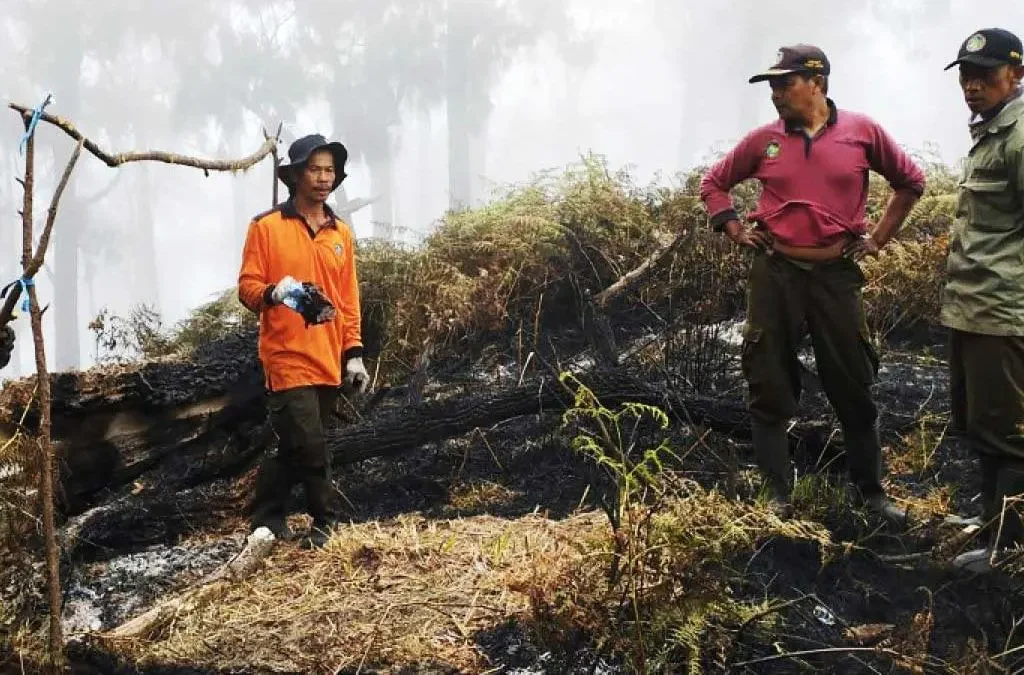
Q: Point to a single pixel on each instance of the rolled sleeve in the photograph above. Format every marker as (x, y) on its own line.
(736, 166)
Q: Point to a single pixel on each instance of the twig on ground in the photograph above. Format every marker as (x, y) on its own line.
(816, 652)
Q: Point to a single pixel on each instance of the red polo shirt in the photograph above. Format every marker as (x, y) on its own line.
(813, 189)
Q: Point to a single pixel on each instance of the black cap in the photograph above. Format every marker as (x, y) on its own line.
(989, 48)
(299, 152)
(796, 59)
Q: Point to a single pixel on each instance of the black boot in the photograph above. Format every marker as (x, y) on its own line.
(864, 459)
(1003, 527)
(864, 463)
(990, 502)
(320, 501)
(1009, 486)
(270, 498)
(771, 448)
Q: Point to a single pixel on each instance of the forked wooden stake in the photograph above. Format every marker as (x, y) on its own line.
(31, 262)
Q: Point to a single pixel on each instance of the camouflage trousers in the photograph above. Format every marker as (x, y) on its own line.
(987, 392)
(786, 300)
(299, 418)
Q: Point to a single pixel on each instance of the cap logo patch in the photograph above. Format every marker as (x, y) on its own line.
(975, 43)
(813, 63)
(779, 56)
(773, 149)
(1015, 55)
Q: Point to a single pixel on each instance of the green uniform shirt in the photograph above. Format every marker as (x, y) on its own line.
(984, 289)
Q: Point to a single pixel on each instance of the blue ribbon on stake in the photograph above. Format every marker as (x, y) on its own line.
(25, 283)
(36, 114)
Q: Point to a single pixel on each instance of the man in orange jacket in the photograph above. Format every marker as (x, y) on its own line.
(298, 243)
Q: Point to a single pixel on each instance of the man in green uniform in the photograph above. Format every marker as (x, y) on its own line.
(983, 299)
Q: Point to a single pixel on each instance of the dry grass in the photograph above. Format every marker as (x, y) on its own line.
(411, 589)
(676, 607)
(904, 284)
(379, 593)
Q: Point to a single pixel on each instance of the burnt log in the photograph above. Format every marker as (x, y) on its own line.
(112, 424)
(178, 494)
(412, 426)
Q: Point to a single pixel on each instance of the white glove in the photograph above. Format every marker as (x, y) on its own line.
(356, 377)
(287, 291)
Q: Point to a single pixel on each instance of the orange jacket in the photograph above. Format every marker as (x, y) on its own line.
(280, 243)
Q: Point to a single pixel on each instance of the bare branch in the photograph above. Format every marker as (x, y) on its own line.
(51, 215)
(114, 160)
(634, 276)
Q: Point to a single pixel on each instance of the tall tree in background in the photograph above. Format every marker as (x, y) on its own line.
(376, 61)
(480, 40)
(248, 69)
(82, 59)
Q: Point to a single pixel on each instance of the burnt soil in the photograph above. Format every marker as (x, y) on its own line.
(880, 581)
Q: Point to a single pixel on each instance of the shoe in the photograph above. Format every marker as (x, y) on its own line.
(968, 524)
(975, 562)
(881, 505)
(277, 525)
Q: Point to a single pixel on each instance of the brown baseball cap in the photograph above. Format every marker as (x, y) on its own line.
(796, 59)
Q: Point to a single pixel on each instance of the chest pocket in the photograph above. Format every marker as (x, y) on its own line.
(990, 198)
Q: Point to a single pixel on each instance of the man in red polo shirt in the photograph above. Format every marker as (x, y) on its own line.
(807, 231)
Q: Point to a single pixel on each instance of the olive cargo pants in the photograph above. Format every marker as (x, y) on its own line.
(987, 391)
(785, 301)
(299, 418)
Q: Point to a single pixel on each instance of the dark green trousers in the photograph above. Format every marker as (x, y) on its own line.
(786, 301)
(987, 391)
(299, 418)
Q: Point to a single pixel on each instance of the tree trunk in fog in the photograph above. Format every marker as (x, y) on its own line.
(147, 287)
(10, 241)
(67, 352)
(72, 217)
(425, 170)
(460, 190)
(241, 213)
(381, 174)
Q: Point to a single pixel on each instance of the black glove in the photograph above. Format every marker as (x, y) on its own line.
(6, 345)
(315, 307)
(306, 298)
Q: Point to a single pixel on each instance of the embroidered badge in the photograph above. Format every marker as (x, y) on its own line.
(773, 149)
(975, 42)
(338, 249)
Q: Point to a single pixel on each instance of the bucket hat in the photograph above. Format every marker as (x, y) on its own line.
(298, 155)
